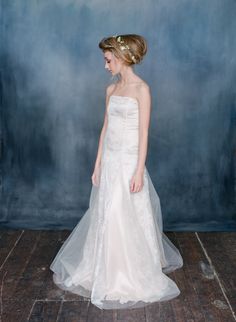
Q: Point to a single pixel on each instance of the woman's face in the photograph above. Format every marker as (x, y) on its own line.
(112, 63)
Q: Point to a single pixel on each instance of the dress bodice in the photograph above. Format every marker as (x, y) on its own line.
(123, 124)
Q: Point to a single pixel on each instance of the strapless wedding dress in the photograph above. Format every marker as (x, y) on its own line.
(117, 255)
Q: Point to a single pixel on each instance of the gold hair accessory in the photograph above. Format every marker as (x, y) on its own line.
(123, 46)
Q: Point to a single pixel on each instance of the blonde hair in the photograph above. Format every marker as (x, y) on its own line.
(130, 48)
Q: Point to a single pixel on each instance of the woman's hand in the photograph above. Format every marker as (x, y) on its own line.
(136, 182)
(96, 176)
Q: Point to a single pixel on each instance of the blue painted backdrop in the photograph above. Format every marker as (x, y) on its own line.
(52, 87)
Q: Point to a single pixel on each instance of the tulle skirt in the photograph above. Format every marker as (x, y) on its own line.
(117, 255)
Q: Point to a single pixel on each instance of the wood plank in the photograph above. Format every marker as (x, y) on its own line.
(186, 306)
(109, 316)
(94, 313)
(221, 248)
(18, 259)
(16, 310)
(8, 239)
(153, 312)
(203, 287)
(131, 315)
(73, 311)
(44, 311)
(35, 281)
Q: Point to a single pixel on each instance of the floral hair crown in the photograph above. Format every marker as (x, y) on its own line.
(124, 46)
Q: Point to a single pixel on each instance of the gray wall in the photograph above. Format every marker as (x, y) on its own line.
(52, 85)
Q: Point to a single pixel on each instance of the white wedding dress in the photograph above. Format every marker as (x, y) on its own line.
(117, 255)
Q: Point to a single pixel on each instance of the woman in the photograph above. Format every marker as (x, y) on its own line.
(118, 255)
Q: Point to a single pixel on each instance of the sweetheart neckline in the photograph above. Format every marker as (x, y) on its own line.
(135, 99)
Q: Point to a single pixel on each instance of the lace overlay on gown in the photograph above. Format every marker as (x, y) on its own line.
(117, 255)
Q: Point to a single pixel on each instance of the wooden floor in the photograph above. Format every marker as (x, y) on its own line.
(207, 281)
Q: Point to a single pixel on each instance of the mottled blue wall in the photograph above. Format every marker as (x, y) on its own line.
(52, 87)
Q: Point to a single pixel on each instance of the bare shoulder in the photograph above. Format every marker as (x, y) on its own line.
(110, 88)
(143, 92)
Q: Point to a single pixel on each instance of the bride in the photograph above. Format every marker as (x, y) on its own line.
(118, 255)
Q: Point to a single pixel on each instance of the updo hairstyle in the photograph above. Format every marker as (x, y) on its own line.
(130, 48)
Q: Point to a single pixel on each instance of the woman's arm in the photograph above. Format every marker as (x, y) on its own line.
(103, 131)
(136, 182)
(144, 121)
